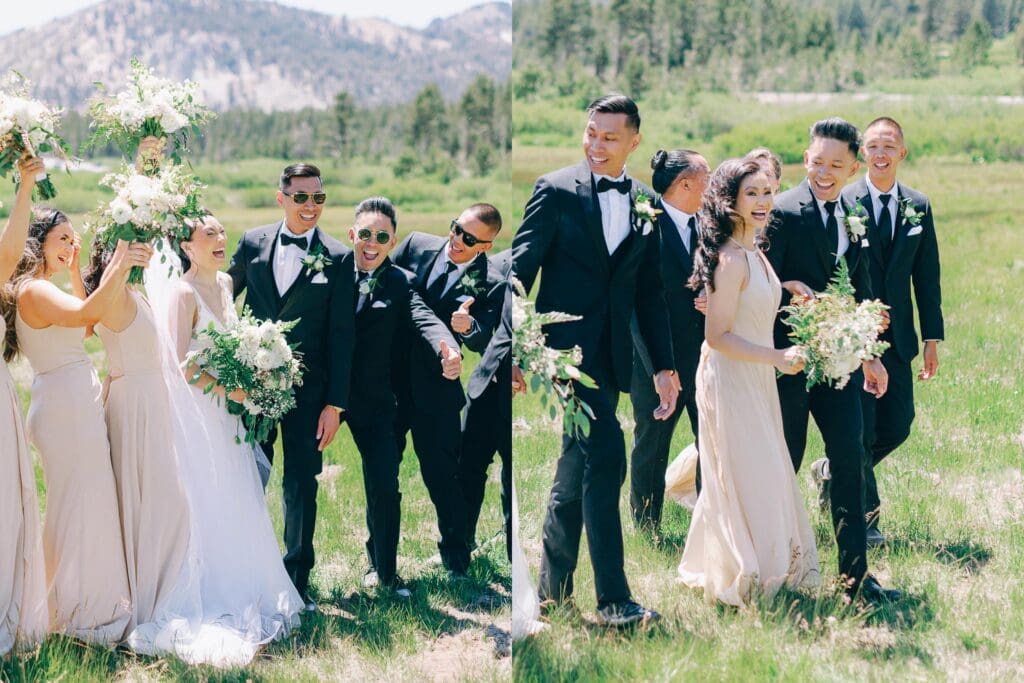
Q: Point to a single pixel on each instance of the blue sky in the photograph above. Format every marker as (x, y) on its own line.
(415, 13)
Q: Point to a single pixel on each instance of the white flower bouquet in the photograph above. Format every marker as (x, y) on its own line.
(554, 370)
(147, 207)
(149, 106)
(28, 126)
(254, 356)
(836, 332)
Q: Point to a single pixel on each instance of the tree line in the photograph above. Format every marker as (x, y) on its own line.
(427, 135)
(820, 45)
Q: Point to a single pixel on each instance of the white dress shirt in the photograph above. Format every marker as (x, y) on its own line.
(876, 204)
(682, 221)
(844, 239)
(441, 264)
(288, 260)
(614, 213)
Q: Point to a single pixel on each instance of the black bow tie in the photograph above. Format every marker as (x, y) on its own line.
(302, 242)
(605, 185)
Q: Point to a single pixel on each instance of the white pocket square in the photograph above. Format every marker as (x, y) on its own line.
(648, 229)
(379, 304)
(916, 230)
(319, 279)
(864, 244)
(463, 299)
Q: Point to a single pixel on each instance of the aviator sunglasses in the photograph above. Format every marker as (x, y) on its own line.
(467, 239)
(303, 197)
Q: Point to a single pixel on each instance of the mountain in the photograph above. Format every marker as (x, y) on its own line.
(259, 55)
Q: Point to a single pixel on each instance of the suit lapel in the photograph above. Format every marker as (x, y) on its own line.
(264, 274)
(812, 221)
(863, 197)
(592, 214)
(670, 236)
(853, 247)
(899, 238)
(301, 282)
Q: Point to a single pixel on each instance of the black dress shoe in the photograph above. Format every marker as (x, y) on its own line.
(629, 613)
(875, 538)
(872, 591)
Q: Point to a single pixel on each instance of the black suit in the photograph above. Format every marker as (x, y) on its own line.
(392, 313)
(909, 258)
(799, 249)
(487, 420)
(430, 405)
(653, 438)
(325, 334)
(562, 233)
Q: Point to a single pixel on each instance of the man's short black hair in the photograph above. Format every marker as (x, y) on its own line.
(617, 104)
(298, 171)
(835, 128)
(381, 205)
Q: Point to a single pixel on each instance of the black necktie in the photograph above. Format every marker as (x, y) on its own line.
(885, 225)
(605, 185)
(436, 288)
(302, 242)
(360, 300)
(693, 235)
(832, 227)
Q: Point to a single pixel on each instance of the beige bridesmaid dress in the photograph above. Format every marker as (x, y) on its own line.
(86, 576)
(154, 509)
(22, 581)
(750, 534)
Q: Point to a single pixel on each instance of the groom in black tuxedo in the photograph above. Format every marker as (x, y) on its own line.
(292, 270)
(602, 261)
(388, 313)
(458, 283)
(903, 250)
(680, 176)
(807, 236)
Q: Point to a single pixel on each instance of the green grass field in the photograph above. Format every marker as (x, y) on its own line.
(954, 493)
(447, 630)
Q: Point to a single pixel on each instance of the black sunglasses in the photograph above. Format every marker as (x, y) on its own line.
(303, 197)
(382, 236)
(467, 239)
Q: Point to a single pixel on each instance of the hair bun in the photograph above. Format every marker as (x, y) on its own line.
(658, 160)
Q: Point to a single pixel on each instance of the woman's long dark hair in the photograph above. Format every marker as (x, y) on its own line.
(43, 221)
(717, 218)
(193, 224)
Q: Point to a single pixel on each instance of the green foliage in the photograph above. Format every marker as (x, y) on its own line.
(974, 46)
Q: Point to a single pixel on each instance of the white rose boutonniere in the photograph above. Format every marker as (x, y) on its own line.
(470, 284)
(644, 214)
(911, 215)
(856, 222)
(316, 260)
(367, 286)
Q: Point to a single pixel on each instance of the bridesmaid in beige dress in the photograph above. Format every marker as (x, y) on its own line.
(85, 567)
(22, 583)
(154, 509)
(750, 534)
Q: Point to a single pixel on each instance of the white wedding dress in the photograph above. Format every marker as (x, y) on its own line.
(233, 595)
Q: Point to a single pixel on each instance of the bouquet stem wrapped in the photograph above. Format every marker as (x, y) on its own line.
(836, 333)
(553, 370)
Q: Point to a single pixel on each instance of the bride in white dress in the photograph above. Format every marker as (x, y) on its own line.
(750, 534)
(235, 595)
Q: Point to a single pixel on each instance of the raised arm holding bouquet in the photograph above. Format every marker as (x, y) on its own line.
(28, 128)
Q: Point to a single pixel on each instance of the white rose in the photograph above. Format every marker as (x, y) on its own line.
(857, 228)
(120, 211)
(142, 215)
(267, 359)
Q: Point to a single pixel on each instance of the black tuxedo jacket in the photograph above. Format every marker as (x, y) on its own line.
(422, 382)
(326, 328)
(392, 314)
(497, 357)
(687, 323)
(798, 249)
(562, 234)
(913, 256)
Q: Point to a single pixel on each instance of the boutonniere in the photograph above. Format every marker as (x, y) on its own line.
(367, 286)
(470, 283)
(644, 214)
(856, 222)
(911, 215)
(316, 260)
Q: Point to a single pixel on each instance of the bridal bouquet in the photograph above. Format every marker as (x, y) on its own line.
(149, 106)
(836, 332)
(254, 356)
(28, 126)
(553, 370)
(147, 207)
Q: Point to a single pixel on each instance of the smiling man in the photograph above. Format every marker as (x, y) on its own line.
(602, 262)
(807, 237)
(458, 283)
(904, 251)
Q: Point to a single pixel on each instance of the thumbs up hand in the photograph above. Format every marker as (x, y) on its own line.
(451, 361)
(462, 321)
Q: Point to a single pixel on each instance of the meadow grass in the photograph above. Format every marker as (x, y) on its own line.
(953, 494)
(447, 630)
